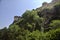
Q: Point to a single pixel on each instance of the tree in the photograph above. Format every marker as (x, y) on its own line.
(31, 20)
(4, 34)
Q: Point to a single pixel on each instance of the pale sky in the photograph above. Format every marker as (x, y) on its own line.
(11, 8)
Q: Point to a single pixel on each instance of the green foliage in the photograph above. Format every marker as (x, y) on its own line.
(4, 34)
(14, 31)
(53, 35)
(55, 24)
(35, 35)
(30, 20)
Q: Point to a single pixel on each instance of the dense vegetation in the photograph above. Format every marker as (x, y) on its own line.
(35, 25)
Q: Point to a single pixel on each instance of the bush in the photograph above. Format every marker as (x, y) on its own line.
(53, 35)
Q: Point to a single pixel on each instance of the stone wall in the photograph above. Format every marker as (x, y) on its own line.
(16, 18)
(45, 4)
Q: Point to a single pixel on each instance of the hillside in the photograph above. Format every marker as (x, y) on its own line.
(42, 23)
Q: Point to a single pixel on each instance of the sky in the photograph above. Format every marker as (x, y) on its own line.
(11, 8)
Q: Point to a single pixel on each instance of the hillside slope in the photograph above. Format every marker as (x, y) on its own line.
(42, 23)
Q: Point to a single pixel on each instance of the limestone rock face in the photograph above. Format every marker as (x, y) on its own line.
(48, 5)
(54, 1)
